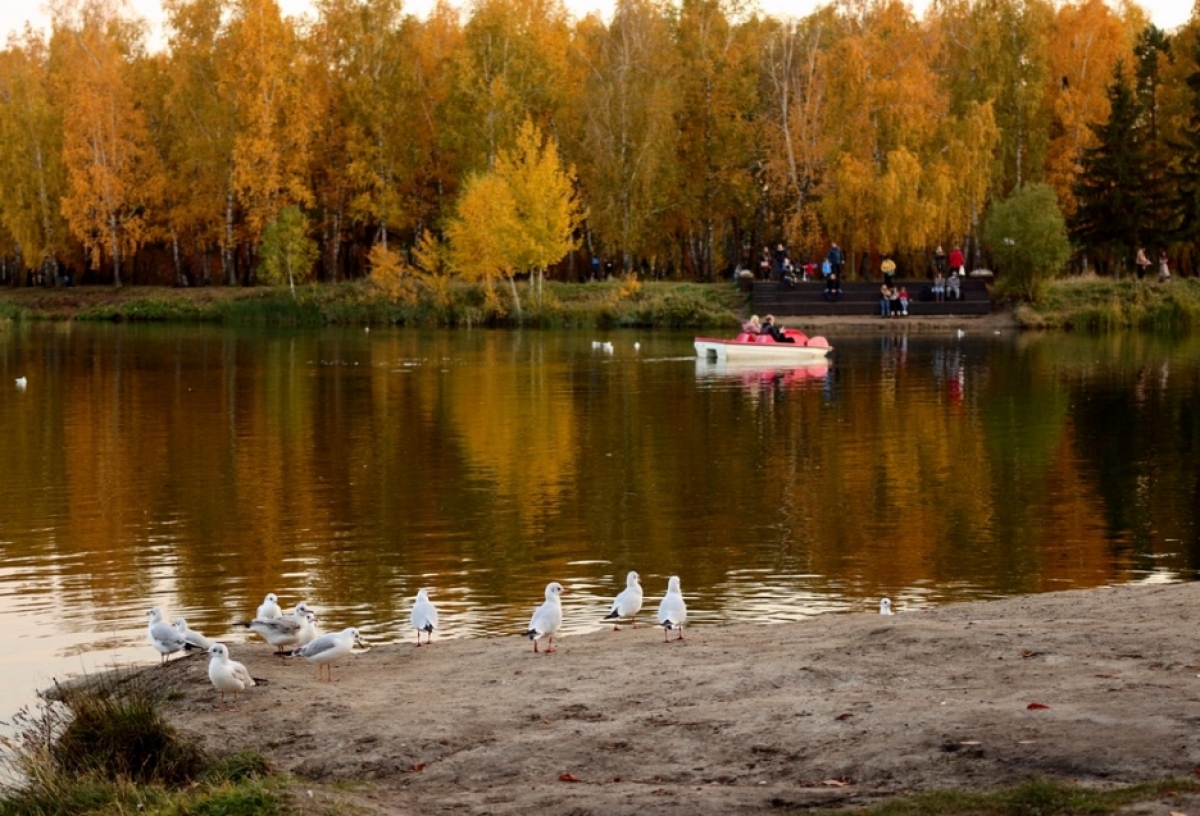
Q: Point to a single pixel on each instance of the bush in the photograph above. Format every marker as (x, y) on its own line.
(1027, 236)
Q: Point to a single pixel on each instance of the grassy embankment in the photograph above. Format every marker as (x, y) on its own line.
(611, 304)
(1084, 304)
(1102, 304)
(109, 750)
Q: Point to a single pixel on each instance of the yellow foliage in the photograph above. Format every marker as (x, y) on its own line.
(631, 287)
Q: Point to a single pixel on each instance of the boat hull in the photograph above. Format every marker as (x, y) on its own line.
(711, 348)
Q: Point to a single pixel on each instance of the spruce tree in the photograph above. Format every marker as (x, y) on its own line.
(1185, 173)
(1118, 189)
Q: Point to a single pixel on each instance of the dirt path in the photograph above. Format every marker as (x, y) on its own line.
(738, 718)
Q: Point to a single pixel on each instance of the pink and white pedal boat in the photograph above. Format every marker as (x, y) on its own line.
(764, 348)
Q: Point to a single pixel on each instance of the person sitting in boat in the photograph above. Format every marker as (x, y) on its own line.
(752, 326)
(776, 333)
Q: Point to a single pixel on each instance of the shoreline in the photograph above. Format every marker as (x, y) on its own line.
(1095, 687)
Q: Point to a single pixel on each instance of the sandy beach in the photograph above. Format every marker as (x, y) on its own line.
(1098, 687)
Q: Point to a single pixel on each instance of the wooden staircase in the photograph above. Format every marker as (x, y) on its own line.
(861, 298)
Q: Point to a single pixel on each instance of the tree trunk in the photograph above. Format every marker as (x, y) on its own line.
(228, 267)
(116, 253)
(512, 282)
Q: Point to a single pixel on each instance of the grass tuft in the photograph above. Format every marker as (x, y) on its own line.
(107, 749)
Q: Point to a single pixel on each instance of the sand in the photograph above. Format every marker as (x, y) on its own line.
(1094, 686)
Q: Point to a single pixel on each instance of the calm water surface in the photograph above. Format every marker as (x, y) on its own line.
(199, 468)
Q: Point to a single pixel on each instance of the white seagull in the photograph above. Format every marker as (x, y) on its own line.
(328, 648)
(885, 606)
(192, 636)
(547, 618)
(424, 616)
(228, 676)
(21, 383)
(672, 612)
(269, 608)
(280, 632)
(163, 636)
(628, 603)
(308, 630)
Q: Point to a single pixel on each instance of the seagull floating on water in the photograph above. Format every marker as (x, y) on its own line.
(328, 648)
(269, 608)
(672, 612)
(424, 616)
(21, 383)
(228, 676)
(885, 607)
(280, 632)
(628, 603)
(547, 619)
(163, 637)
(192, 636)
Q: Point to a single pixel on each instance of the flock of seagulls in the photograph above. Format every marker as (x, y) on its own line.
(295, 634)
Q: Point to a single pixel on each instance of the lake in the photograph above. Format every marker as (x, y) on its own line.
(198, 468)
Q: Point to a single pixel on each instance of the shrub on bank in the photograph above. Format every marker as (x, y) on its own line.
(105, 750)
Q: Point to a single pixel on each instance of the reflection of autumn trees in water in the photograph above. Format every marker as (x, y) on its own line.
(694, 132)
(357, 467)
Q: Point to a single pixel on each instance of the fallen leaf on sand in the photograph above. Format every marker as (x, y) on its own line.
(566, 777)
(1036, 706)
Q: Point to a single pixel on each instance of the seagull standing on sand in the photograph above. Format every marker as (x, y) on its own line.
(328, 648)
(628, 603)
(424, 616)
(672, 612)
(280, 632)
(192, 636)
(885, 606)
(269, 608)
(547, 619)
(228, 676)
(163, 636)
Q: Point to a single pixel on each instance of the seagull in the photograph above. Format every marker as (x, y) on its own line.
(328, 648)
(672, 612)
(308, 630)
(547, 618)
(269, 608)
(280, 632)
(628, 603)
(608, 348)
(885, 607)
(163, 636)
(228, 676)
(637, 346)
(192, 636)
(21, 383)
(424, 616)
(960, 333)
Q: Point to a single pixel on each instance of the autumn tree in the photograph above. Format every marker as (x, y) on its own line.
(265, 77)
(519, 217)
(113, 178)
(626, 115)
(32, 175)
(199, 124)
(288, 252)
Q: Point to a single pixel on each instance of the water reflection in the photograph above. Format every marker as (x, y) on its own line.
(197, 469)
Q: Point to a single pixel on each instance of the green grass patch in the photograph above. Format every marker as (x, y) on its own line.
(1100, 305)
(107, 749)
(1037, 797)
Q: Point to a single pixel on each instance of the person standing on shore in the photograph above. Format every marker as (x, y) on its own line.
(957, 262)
(836, 259)
(1142, 263)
